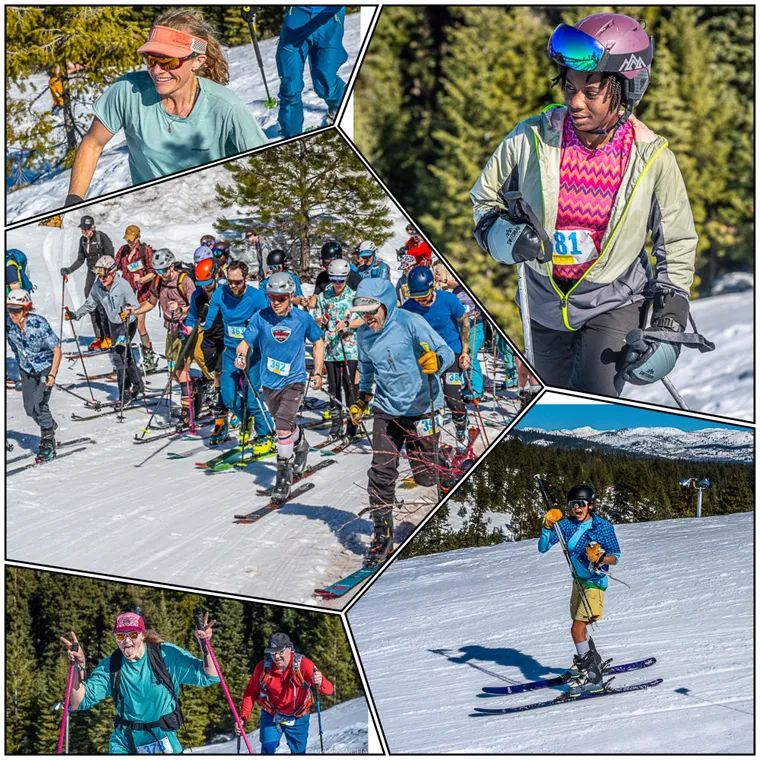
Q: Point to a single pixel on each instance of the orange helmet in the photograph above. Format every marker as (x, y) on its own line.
(205, 272)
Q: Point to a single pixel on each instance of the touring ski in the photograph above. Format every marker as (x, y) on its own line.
(273, 506)
(61, 445)
(308, 472)
(519, 688)
(344, 585)
(47, 461)
(566, 700)
(112, 375)
(97, 405)
(135, 405)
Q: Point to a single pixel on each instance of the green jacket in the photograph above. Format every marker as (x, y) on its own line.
(652, 198)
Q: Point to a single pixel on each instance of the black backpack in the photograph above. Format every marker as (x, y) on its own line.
(169, 722)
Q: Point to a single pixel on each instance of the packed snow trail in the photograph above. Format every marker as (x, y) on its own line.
(455, 622)
(112, 172)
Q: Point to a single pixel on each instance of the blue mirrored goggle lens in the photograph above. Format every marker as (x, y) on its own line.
(575, 49)
(333, 278)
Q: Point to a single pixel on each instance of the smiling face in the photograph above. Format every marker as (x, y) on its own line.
(375, 319)
(589, 101)
(281, 659)
(132, 644)
(581, 510)
(170, 82)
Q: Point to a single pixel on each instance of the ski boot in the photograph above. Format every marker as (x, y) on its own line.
(300, 455)
(463, 436)
(126, 398)
(327, 415)
(589, 674)
(245, 432)
(284, 481)
(336, 427)
(106, 344)
(382, 541)
(46, 450)
(263, 444)
(96, 345)
(329, 119)
(150, 359)
(221, 431)
(234, 422)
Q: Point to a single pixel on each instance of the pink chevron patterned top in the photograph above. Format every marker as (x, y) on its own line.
(588, 183)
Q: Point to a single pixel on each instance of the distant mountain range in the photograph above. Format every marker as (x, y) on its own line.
(709, 444)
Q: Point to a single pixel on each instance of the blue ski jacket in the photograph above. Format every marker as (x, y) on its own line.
(388, 358)
(376, 269)
(578, 535)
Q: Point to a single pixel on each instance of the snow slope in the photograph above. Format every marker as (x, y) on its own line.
(722, 381)
(128, 510)
(455, 622)
(344, 730)
(112, 172)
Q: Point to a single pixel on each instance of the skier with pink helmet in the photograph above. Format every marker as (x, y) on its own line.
(572, 196)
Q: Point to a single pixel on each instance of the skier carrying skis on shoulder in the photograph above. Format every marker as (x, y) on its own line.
(143, 677)
(38, 353)
(593, 546)
(281, 684)
(400, 361)
(585, 185)
(279, 333)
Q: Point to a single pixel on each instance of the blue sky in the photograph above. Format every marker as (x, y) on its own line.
(609, 417)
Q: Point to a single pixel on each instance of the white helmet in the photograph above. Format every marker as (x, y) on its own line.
(105, 263)
(18, 297)
(282, 284)
(163, 258)
(338, 268)
(367, 247)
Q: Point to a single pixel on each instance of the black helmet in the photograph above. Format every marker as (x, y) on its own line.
(276, 258)
(582, 492)
(332, 249)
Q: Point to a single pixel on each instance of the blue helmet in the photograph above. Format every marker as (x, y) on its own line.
(420, 282)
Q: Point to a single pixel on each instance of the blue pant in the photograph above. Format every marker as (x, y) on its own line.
(235, 389)
(475, 373)
(296, 735)
(316, 33)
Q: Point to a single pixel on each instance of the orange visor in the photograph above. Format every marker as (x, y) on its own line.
(163, 40)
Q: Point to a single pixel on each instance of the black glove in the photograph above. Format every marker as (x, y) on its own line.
(65, 271)
(72, 200)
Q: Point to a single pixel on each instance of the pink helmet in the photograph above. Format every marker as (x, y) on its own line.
(608, 42)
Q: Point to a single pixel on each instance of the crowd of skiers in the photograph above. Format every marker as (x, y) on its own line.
(400, 352)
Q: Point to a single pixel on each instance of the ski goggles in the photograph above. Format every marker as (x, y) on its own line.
(204, 283)
(218, 252)
(166, 62)
(278, 297)
(129, 634)
(575, 49)
(161, 271)
(337, 278)
(366, 305)
(366, 254)
(15, 308)
(578, 503)
(422, 296)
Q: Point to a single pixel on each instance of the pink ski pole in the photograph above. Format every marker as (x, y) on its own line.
(75, 647)
(208, 649)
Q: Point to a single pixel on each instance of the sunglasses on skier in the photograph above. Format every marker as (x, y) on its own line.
(166, 62)
(334, 278)
(578, 503)
(131, 634)
(235, 283)
(276, 298)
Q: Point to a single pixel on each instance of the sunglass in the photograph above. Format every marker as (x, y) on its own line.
(106, 275)
(166, 62)
(276, 268)
(15, 309)
(131, 634)
(423, 297)
(218, 251)
(160, 271)
(578, 503)
(235, 283)
(333, 278)
(204, 283)
(277, 298)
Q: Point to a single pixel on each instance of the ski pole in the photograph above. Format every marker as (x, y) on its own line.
(209, 650)
(319, 720)
(249, 15)
(120, 416)
(189, 387)
(525, 313)
(238, 745)
(63, 306)
(434, 426)
(167, 387)
(84, 369)
(350, 385)
(668, 383)
(95, 404)
(64, 723)
(258, 400)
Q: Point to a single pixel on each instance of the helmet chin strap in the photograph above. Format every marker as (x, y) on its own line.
(619, 123)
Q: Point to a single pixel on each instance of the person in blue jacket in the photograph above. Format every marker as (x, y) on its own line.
(280, 332)
(370, 265)
(314, 32)
(238, 303)
(401, 359)
(593, 546)
(446, 314)
(147, 683)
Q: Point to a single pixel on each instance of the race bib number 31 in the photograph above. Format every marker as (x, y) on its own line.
(425, 425)
(277, 367)
(573, 247)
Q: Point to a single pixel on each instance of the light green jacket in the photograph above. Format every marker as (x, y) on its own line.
(652, 198)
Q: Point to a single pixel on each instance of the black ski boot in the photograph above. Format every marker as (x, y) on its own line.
(589, 678)
(336, 426)
(574, 670)
(150, 359)
(382, 541)
(300, 455)
(284, 481)
(46, 450)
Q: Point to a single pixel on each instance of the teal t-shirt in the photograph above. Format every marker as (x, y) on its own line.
(219, 125)
(144, 699)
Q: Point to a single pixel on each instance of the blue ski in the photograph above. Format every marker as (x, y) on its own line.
(344, 585)
(563, 700)
(519, 688)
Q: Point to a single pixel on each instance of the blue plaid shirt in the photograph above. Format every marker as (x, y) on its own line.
(34, 347)
(578, 535)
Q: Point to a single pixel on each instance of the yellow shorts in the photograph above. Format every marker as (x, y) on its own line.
(579, 611)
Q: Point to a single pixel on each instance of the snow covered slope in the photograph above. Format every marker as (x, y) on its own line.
(112, 172)
(452, 623)
(344, 731)
(709, 444)
(723, 381)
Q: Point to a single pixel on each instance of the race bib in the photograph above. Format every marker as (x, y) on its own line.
(573, 247)
(277, 367)
(121, 341)
(453, 378)
(235, 331)
(135, 266)
(425, 425)
(162, 747)
(284, 720)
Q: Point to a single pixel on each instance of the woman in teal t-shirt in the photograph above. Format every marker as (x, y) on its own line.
(176, 115)
(146, 680)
